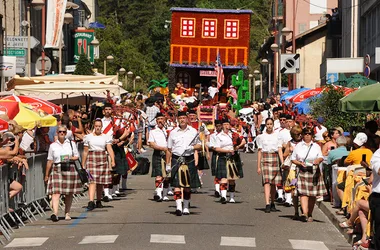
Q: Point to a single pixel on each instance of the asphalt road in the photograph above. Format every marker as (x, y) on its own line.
(138, 222)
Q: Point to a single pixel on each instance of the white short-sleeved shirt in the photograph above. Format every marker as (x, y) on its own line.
(97, 142)
(224, 140)
(319, 132)
(212, 91)
(158, 136)
(300, 152)
(213, 139)
(106, 121)
(268, 143)
(58, 150)
(375, 163)
(179, 139)
(284, 135)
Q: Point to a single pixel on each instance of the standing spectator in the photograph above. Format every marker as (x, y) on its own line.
(333, 134)
(61, 175)
(94, 159)
(307, 156)
(319, 129)
(374, 198)
(152, 110)
(213, 90)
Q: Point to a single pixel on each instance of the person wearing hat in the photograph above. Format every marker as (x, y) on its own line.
(211, 146)
(228, 163)
(158, 142)
(361, 154)
(182, 142)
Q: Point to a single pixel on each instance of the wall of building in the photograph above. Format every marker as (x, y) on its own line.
(308, 13)
(92, 5)
(11, 17)
(311, 52)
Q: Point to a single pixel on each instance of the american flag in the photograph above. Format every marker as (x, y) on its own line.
(219, 71)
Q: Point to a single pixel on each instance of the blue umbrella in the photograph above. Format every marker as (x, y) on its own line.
(304, 106)
(292, 93)
(96, 25)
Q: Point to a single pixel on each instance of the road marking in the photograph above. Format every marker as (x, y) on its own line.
(238, 241)
(166, 238)
(99, 239)
(77, 220)
(27, 242)
(308, 245)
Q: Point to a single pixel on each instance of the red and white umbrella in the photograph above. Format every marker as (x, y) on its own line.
(37, 103)
(9, 108)
(3, 125)
(305, 95)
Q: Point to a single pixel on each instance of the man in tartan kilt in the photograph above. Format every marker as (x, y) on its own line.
(211, 145)
(182, 142)
(158, 142)
(228, 163)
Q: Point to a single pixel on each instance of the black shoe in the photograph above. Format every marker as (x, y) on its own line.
(90, 206)
(280, 200)
(156, 197)
(267, 209)
(287, 204)
(296, 217)
(273, 208)
(99, 204)
(217, 194)
(106, 199)
(178, 212)
(54, 218)
(223, 200)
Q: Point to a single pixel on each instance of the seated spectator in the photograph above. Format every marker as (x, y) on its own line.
(360, 153)
(339, 152)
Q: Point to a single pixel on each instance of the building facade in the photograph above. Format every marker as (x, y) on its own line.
(198, 35)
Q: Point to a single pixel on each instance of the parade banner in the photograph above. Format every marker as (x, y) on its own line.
(54, 22)
(82, 44)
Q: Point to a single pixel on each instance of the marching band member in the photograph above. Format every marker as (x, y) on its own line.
(269, 152)
(218, 129)
(158, 142)
(228, 163)
(111, 126)
(94, 159)
(182, 142)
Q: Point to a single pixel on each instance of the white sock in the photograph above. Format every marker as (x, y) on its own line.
(124, 183)
(165, 192)
(117, 188)
(106, 192)
(186, 204)
(288, 198)
(217, 188)
(232, 195)
(113, 189)
(224, 193)
(179, 204)
(159, 192)
(280, 193)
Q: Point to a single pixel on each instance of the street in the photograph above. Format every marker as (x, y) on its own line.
(138, 222)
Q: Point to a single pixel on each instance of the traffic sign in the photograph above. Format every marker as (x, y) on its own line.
(332, 77)
(15, 52)
(21, 42)
(367, 71)
(290, 63)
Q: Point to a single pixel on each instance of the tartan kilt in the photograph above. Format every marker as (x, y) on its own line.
(98, 167)
(270, 169)
(221, 166)
(64, 181)
(202, 162)
(121, 164)
(194, 178)
(157, 164)
(213, 163)
(305, 184)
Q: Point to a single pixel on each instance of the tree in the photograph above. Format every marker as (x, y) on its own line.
(83, 66)
(327, 107)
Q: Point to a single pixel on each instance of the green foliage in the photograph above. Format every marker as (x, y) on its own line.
(326, 106)
(242, 87)
(83, 66)
(136, 37)
(162, 84)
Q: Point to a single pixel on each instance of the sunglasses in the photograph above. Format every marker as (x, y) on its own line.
(63, 132)
(308, 134)
(298, 134)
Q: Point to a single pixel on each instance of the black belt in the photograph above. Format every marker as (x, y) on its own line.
(190, 157)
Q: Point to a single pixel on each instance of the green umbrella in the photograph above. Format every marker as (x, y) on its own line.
(357, 80)
(366, 99)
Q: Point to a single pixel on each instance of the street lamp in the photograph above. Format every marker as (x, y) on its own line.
(129, 76)
(250, 76)
(286, 32)
(256, 72)
(138, 78)
(275, 48)
(122, 73)
(108, 59)
(265, 62)
(95, 43)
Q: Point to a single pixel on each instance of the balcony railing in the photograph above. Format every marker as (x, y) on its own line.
(206, 55)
